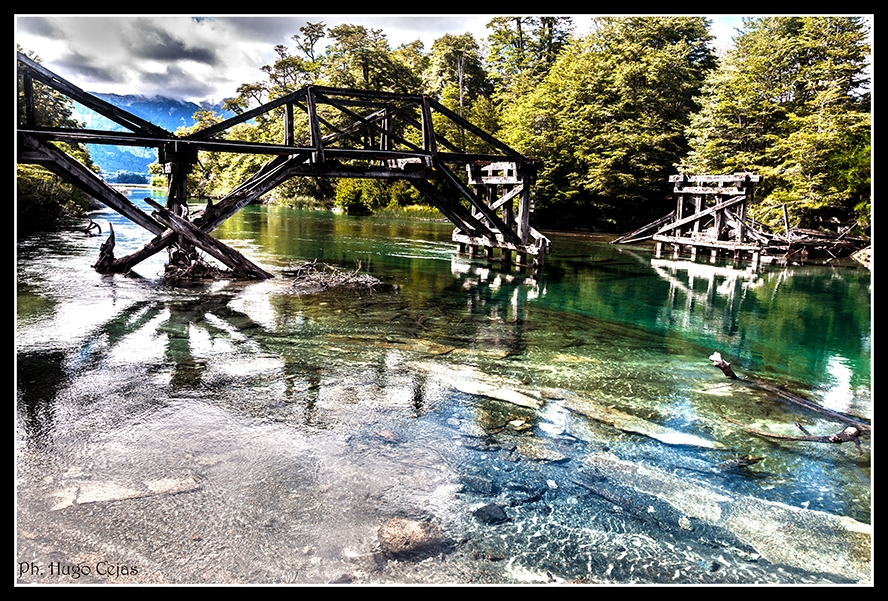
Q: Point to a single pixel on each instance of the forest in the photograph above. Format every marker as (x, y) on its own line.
(610, 114)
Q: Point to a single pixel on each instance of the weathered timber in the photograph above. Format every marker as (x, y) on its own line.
(849, 434)
(741, 176)
(700, 214)
(361, 134)
(723, 365)
(228, 256)
(31, 150)
(491, 216)
(636, 235)
(722, 226)
(119, 116)
(454, 211)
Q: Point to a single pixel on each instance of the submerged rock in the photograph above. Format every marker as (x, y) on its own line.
(491, 514)
(410, 539)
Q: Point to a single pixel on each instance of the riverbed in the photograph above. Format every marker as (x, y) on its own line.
(244, 433)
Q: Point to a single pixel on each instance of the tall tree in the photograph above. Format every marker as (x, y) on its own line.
(791, 101)
(455, 76)
(608, 119)
(361, 58)
(522, 49)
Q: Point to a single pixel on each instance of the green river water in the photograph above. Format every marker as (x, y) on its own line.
(239, 432)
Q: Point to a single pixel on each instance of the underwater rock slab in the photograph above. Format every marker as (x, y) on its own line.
(801, 538)
(95, 491)
(409, 538)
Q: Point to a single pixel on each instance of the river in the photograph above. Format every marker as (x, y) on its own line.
(240, 432)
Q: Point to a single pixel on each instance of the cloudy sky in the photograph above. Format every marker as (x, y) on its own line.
(206, 58)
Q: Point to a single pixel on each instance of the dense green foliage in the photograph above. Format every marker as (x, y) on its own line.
(608, 119)
(791, 103)
(43, 200)
(610, 114)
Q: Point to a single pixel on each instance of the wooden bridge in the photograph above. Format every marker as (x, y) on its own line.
(340, 133)
(710, 213)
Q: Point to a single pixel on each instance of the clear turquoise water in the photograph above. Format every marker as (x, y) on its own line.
(356, 399)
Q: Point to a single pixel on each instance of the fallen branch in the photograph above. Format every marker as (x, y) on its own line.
(849, 434)
(723, 365)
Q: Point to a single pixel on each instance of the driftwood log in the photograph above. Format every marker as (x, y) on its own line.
(849, 434)
(852, 432)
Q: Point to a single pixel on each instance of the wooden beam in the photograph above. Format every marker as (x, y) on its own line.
(228, 256)
(212, 130)
(454, 211)
(315, 138)
(368, 122)
(31, 150)
(474, 129)
(703, 213)
(481, 206)
(736, 177)
(429, 143)
(631, 237)
(507, 197)
(119, 116)
(685, 241)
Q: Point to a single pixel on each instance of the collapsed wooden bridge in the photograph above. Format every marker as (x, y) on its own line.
(710, 215)
(342, 133)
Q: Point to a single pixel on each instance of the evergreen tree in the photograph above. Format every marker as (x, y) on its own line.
(455, 76)
(360, 58)
(790, 101)
(608, 119)
(521, 51)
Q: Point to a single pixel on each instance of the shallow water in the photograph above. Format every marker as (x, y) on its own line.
(239, 432)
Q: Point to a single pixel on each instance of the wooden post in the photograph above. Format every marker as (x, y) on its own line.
(698, 206)
(428, 131)
(786, 221)
(28, 83)
(679, 211)
(314, 127)
(524, 211)
(288, 124)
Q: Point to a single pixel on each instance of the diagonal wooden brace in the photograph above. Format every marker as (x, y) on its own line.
(271, 174)
(482, 207)
(188, 231)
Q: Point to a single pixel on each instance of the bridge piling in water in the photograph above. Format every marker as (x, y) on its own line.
(362, 134)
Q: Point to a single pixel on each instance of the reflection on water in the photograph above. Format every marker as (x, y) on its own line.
(298, 423)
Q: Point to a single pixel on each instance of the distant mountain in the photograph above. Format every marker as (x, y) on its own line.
(168, 113)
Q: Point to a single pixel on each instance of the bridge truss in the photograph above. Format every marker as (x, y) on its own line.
(327, 132)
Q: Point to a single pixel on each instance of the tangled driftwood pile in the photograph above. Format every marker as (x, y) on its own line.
(312, 276)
